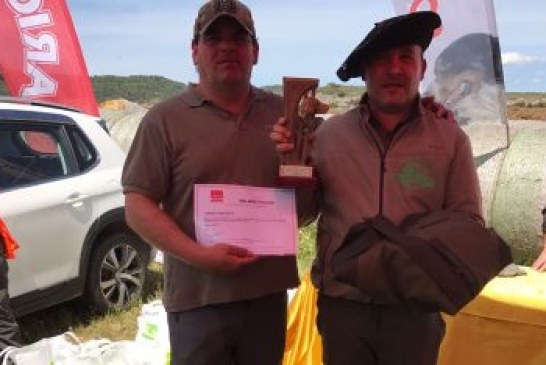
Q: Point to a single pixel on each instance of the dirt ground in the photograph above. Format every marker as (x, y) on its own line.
(515, 112)
(339, 104)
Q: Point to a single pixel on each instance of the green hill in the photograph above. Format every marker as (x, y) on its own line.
(138, 88)
(147, 90)
(3, 88)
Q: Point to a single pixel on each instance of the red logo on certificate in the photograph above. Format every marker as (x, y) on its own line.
(217, 196)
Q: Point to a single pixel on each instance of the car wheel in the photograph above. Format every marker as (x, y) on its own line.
(117, 270)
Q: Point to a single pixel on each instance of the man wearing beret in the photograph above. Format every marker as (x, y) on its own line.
(388, 156)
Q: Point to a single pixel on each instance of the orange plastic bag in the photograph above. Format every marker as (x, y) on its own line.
(10, 245)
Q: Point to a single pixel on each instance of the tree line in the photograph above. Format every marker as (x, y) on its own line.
(147, 90)
(138, 88)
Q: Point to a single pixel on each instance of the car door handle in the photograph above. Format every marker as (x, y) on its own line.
(76, 199)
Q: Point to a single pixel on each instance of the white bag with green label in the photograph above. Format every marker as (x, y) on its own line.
(153, 334)
(63, 349)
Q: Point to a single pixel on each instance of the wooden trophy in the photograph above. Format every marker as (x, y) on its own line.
(300, 109)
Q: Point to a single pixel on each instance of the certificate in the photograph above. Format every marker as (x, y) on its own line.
(262, 220)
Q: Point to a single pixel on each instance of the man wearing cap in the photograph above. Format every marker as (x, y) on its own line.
(388, 156)
(225, 305)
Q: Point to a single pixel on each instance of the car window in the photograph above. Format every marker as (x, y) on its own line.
(86, 154)
(31, 154)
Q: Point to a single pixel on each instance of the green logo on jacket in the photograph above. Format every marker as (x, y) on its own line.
(415, 175)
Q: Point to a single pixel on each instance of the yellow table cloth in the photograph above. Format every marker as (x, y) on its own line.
(504, 325)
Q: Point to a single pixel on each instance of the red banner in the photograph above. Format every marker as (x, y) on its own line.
(40, 56)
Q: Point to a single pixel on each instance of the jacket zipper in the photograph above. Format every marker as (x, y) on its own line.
(382, 155)
(382, 160)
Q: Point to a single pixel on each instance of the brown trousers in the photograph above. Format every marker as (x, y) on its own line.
(248, 332)
(355, 333)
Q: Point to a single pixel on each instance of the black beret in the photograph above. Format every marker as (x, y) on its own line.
(413, 28)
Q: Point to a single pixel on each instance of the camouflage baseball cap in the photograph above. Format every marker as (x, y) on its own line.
(214, 9)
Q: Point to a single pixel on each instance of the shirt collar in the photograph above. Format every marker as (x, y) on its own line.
(193, 99)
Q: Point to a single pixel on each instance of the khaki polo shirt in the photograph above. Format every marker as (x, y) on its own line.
(187, 140)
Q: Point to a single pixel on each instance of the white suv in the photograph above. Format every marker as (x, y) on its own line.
(61, 198)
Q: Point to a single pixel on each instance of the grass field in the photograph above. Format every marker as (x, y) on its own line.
(76, 317)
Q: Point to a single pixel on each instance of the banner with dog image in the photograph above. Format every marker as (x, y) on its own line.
(464, 72)
(464, 69)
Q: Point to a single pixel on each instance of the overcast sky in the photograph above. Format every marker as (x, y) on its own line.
(307, 38)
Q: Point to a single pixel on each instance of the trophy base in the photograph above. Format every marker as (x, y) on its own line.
(296, 176)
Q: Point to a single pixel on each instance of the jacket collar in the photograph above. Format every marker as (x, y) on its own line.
(416, 113)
